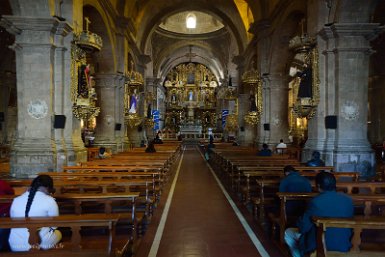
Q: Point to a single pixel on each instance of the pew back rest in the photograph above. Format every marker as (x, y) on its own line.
(358, 224)
(76, 223)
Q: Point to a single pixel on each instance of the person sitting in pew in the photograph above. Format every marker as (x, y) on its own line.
(265, 151)
(151, 147)
(281, 147)
(328, 203)
(5, 189)
(103, 154)
(316, 160)
(294, 182)
(158, 138)
(35, 202)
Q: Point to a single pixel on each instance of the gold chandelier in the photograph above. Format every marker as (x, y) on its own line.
(85, 112)
(132, 120)
(252, 118)
(253, 79)
(232, 123)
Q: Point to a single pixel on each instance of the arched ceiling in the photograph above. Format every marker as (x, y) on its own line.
(221, 35)
(176, 23)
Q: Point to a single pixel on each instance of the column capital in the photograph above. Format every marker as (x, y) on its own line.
(16, 24)
(108, 80)
(369, 31)
(351, 37)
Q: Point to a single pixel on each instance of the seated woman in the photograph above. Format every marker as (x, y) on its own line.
(103, 153)
(35, 202)
(158, 139)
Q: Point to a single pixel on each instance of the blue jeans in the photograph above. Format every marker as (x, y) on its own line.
(292, 240)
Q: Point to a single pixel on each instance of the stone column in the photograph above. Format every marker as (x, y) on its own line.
(119, 116)
(34, 150)
(66, 155)
(348, 49)
(277, 108)
(107, 91)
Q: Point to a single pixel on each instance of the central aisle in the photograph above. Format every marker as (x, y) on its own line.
(200, 222)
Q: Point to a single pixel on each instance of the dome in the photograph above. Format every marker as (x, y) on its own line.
(205, 23)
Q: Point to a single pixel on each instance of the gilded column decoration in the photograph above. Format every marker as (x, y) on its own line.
(131, 97)
(306, 83)
(254, 81)
(83, 94)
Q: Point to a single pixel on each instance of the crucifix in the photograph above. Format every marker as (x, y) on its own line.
(87, 22)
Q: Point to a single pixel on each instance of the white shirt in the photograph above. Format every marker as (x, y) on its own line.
(280, 147)
(42, 205)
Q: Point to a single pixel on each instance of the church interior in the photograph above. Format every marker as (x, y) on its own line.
(183, 95)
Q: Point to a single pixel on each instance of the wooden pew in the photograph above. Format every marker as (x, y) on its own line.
(123, 203)
(151, 196)
(367, 201)
(85, 186)
(358, 224)
(76, 246)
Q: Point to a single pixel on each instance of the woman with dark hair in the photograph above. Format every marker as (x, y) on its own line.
(35, 202)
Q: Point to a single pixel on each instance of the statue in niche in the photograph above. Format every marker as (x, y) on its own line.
(133, 102)
(84, 80)
(190, 78)
(190, 95)
(253, 103)
(305, 86)
(149, 111)
(173, 98)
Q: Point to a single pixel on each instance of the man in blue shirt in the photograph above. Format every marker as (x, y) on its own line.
(265, 151)
(328, 203)
(316, 160)
(294, 182)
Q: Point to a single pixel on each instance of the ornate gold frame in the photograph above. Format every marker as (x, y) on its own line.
(78, 58)
(307, 107)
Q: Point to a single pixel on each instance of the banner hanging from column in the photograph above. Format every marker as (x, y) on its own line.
(156, 117)
(225, 113)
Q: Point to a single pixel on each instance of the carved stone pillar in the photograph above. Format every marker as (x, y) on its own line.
(277, 107)
(70, 149)
(107, 89)
(347, 56)
(34, 149)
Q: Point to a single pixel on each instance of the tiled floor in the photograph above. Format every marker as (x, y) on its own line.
(200, 221)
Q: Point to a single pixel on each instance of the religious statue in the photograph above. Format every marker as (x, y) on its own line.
(253, 104)
(84, 80)
(305, 86)
(133, 102)
(149, 112)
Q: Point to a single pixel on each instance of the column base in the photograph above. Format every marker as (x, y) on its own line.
(30, 157)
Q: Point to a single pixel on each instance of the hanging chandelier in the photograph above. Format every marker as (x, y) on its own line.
(231, 123)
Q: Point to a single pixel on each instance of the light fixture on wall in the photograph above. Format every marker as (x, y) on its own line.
(191, 21)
